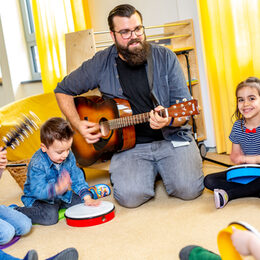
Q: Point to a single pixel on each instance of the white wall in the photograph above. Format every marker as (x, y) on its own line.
(157, 13)
(13, 55)
(14, 59)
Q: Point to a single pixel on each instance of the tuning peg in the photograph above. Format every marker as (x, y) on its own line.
(184, 99)
(192, 97)
(177, 101)
(195, 117)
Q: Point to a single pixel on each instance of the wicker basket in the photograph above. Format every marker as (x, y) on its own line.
(18, 172)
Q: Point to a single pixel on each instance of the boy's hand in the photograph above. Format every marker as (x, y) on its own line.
(88, 201)
(63, 183)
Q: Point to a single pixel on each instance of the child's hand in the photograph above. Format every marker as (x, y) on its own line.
(3, 158)
(241, 240)
(63, 183)
(88, 201)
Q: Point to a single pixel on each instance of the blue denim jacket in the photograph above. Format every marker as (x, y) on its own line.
(42, 175)
(169, 83)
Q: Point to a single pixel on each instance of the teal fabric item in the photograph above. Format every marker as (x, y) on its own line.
(243, 175)
(199, 253)
(193, 252)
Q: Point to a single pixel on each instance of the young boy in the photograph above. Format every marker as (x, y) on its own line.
(51, 172)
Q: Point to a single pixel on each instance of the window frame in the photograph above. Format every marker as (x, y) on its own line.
(29, 32)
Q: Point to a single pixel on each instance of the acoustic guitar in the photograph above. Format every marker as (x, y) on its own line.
(116, 125)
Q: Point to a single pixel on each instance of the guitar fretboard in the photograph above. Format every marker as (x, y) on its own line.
(127, 121)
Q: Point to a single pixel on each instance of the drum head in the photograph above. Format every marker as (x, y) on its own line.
(81, 215)
(81, 211)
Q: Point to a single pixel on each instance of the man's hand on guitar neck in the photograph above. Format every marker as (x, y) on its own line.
(156, 121)
(90, 131)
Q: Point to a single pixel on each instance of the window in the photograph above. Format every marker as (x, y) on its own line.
(26, 9)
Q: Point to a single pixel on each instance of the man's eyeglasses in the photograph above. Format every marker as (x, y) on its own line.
(127, 34)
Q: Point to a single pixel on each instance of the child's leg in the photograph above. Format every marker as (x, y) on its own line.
(21, 223)
(7, 232)
(234, 190)
(74, 201)
(41, 213)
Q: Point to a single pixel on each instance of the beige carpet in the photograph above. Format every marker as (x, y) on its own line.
(156, 230)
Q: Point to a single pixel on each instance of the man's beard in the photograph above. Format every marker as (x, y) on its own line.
(135, 57)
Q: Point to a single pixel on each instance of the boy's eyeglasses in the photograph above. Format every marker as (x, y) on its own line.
(127, 34)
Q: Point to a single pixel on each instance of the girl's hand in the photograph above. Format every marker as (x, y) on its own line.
(63, 183)
(3, 158)
(88, 201)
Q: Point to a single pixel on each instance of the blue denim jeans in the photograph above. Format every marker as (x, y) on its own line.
(44, 213)
(12, 223)
(133, 172)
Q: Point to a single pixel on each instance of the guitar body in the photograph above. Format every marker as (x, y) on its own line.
(95, 109)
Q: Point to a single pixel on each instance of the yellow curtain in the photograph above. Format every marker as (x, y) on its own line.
(53, 19)
(231, 38)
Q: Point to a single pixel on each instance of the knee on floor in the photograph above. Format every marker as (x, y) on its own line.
(49, 218)
(132, 200)
(7, 234)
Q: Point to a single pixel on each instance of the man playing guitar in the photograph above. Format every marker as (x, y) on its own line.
(149, 76)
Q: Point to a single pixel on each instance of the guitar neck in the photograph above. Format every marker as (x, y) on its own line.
(127, 121)
(187, 108)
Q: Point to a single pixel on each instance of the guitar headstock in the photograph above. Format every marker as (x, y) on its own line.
(185, 108)
(27, 125)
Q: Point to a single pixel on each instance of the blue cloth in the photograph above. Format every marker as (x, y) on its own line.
(12, 223)
(249, 142)
(169, 83)
(42, 175)
(243, 175)
(4, 256)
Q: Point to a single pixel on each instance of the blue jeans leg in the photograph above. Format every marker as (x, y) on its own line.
(7, 232)
(41, 213)
(21, 223)
(44, 213)
(133, 172)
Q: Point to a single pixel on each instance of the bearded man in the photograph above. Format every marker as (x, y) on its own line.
(150, 78)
